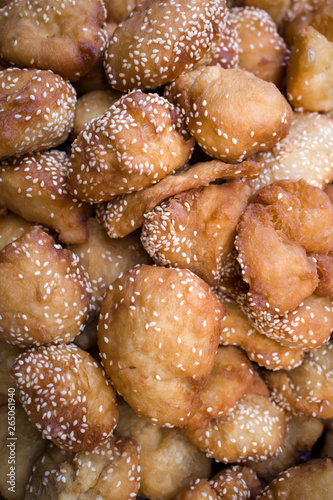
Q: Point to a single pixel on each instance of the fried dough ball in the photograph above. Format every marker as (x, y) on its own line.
(34, 186)
(161, 40)
(307, 389)
(262, 50)
(44, 291)
(119, 10)
(91, 105)
(158, 332)
(231, 113)
(123, 214)
(266, 352)
(232, 378)
(12, 226)
(306, 153)
(38, 109)
(233, 483)
(310, 480)
(285, 220)
(299, 15)
(66, 37)
(301, 436)
(168, 461)
(20, 446)
(275, 8)
(135, 143)
(109, 472)
(253, 430)
(310, 71)
(105, 259)
(66, 395)
(324, 265)
(8, 354)
(196, 229)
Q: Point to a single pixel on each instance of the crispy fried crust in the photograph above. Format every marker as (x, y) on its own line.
(158, 333)
(34, 187)
(66, 37)
(135, 143)
(8, 354)
(44, 291)
(66, 395)
(38, 109)
(275, 8)
(12, 226)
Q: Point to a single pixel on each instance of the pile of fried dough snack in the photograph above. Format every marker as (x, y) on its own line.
(166, 249)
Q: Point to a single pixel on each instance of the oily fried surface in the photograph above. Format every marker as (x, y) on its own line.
(324, 265)
(44, 291)
(308, 388)
(158, 332)
(168, 461)
(34, 186)
(119, 10)
(12, 226)
(254, 429)
(8, 354)
(145, 52)
(135, 143)
(25, 446)
(109, 472)
(231, 113)
(196, 229)
(66, 37)
(310, 480)
(105, 259)
(121, 215)
(232, 377)
(76, 407)
(276, 9)
(38, 109)
(302, 434)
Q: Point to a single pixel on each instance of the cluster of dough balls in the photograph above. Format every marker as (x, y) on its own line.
(166, 249)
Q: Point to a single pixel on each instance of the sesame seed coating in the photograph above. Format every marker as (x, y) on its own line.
(66, 395)
(277, 10)
(65, 36)
(44, 291)
(38, 109)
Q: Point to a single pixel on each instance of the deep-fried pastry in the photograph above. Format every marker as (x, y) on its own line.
(275, 8)
(8, 354)
(12, 226)
(66, 395)
(158, 332)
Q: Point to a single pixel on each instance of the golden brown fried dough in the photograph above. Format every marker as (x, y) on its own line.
(158, 332)
(168, 461)
(196, 229)
(20, 444)
(123, 214)
(135, 143)
(325, 274)
(231, 113)
(275, 8)
(301, 436)
(161, 40)
(66, 37)
(38, 109)
(109, 472)
(306, 153)
(91, 105)
(44, 291)
(8, 354)
(95, 79)
(119, 10)
(34, 186)
(105, 259)
(310, 480)
(66, 395)
(307, 389)
(12, 226)
(254, 429)
(300, 13)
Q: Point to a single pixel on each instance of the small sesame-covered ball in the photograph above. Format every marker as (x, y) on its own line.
(135, 143)
(109, 472)
(65, 36)
(45, 292)
(158, 333)
(125, 213)
(38, 109)
(307, 389)
(105, 259)
(12, 226)
(8, 354)
(168, 460)
(196, 229)
(253, 429)
(67, 396)
(161, 40)
(231, 113)
(275, 8)
(34, 186)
